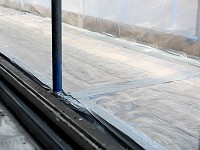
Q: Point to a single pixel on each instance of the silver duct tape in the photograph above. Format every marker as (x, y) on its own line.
(69, 100)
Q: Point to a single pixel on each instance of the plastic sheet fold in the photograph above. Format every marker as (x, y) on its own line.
(166, 24)
(162, 15)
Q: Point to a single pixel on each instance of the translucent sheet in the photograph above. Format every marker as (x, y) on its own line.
(165, 24)
(150, 95)
(178, 16)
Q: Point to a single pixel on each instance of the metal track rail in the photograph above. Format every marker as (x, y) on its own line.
(35, 125)
(72, 127)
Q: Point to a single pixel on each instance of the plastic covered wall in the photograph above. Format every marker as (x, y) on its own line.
(166, 15)
(154, 22)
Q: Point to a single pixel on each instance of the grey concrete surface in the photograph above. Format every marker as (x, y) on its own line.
(12, 134)
(140, 90)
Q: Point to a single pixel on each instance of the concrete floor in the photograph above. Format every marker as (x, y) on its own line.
(150, 95)
(12, 134)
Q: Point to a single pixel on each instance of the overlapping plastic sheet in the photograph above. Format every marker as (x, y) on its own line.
(164, 15)
(178, 16)
(136, 88)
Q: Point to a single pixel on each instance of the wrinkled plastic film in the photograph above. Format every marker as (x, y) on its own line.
(162, 15)
(167, 24)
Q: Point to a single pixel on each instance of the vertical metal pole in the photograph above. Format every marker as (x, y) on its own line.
(56, 14)
(198, 20)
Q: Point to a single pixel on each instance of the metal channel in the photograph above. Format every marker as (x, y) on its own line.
(36, 126)
(84, 134)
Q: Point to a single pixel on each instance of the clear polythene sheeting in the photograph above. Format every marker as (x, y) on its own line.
(152, 92)
(166, 15)
(177, 16)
